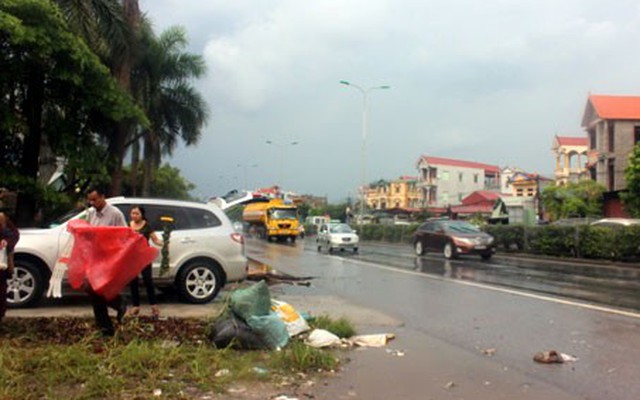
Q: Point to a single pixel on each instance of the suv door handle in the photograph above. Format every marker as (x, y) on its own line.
(187, 240)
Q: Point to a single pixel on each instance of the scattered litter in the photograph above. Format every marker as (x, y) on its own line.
(611, 370)
(237, 390)
(449, 385)
(260, 370)
(157, 392)
(377, 340)
(222, 372)
(397, 353)
(285, 397)
(292, 319)
(169, 344)
(489, 352)
(487, 383)
(322, 338)
(273, 277)
(553, 357)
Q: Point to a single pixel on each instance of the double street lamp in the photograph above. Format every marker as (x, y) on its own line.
(281, 146)
(365, 104)
(244, 172)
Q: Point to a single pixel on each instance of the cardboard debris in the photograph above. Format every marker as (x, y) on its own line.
(553, 357)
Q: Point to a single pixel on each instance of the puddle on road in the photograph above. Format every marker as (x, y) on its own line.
(260, 271)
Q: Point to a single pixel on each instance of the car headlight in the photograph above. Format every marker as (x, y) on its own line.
(463, 241)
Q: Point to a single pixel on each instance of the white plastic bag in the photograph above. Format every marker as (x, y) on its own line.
(322, 338)
(59, 270)
(4, 262)
(291, 318)
(375, 340)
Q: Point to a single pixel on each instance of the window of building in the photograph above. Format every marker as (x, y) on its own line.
(636, 134)
(611, 136)
(592, 139)
(459, 176)
(397, 188)
(612, 174)
(519, 192)
(460, 196)
(444, 198)
(475, 178)
(444, 175)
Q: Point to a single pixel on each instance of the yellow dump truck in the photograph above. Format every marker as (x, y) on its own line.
(272, 220)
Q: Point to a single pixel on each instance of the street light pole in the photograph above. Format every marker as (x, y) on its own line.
(244, 171)
(365, 106)
(281, 146)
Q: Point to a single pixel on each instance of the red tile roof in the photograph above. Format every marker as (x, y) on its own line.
(460, 163)
(572, 141)
(473, 209)
(616, 107)
(481, 196)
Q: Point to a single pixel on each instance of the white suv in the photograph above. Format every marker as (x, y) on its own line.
(205, 251)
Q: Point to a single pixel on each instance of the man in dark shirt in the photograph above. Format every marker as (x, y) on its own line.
(102, 213)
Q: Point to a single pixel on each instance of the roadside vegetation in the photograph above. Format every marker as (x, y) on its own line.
(89, 86)
(64, 358)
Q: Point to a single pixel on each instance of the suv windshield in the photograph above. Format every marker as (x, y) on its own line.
(283, 213)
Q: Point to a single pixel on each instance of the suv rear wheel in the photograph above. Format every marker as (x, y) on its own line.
(199, 281)
(26, 286)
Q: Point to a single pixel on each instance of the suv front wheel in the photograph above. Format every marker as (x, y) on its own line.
(199, 281)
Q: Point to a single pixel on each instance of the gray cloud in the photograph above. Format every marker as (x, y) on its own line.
(487, 81)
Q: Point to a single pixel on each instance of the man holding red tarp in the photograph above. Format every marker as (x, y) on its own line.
(106, 256)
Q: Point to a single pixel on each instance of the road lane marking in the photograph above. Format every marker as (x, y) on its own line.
(502, 290)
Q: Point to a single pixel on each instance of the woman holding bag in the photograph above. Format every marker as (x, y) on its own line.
(140, 225)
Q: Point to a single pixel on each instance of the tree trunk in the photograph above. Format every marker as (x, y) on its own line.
(122, 73)
(149, 162)
(33, 105)
(135, 159)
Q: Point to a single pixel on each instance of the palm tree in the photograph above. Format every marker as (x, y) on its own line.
(111, 28)
(176, 110)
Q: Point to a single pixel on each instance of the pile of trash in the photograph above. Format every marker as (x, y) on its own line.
(253, 321)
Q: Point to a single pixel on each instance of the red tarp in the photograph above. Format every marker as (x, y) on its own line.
(106, 257)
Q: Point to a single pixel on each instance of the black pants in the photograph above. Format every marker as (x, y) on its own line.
(101, 311)
(147, 278)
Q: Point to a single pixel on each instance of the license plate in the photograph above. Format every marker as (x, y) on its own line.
(481, 247)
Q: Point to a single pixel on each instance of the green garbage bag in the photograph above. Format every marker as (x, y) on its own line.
(271, 329)
(254, 301)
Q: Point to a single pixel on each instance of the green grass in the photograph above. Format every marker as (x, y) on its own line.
(64, 358)
(343, 328)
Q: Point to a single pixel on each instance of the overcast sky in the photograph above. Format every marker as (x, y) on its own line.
(490, 81)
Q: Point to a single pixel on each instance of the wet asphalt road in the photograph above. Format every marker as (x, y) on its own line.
(611, 285)
(452, 311)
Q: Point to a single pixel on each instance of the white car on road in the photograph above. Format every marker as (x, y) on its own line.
(205, 251)
(337, 236)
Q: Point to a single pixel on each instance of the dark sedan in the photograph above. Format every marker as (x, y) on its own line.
(453, 238)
